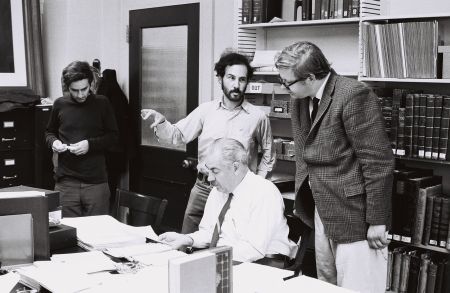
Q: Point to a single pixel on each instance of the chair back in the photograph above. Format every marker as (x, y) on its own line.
(139, 210)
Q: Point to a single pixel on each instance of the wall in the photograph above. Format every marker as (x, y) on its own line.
(88, 29)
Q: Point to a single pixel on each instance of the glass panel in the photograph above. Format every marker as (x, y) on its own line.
(164, 77)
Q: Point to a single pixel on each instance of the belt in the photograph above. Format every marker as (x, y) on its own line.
(277, 257)
(202, 178)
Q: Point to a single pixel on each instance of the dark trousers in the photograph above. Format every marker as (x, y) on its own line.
(81, 199)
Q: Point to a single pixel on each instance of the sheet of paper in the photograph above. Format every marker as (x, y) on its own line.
(86, 262)
(264, 58)
(140, 249)
(158, 259)
(8, 281)
(251, 277)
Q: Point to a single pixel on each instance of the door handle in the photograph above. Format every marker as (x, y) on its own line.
(189, 163)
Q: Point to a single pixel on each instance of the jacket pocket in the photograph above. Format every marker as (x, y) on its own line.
(352, 190)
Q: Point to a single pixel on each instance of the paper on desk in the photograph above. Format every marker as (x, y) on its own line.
(57, 277)
(8, 281)
(86, 262)
(100, 232)
(308, 284)
(158, 259)
(146, 231)
(140, 249)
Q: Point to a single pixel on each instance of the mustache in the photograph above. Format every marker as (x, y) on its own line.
(237, 91)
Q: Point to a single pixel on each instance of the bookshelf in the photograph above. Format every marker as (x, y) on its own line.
(421, 246)
(319, 22)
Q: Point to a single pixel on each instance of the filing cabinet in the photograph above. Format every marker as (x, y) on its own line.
(17, 147)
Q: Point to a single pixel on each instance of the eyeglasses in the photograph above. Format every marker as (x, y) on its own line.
(287, 85)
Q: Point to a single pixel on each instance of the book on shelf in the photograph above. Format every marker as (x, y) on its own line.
(404, 271)
(435, 220)
(246, 11)
(390, 263)
(316, 6)
(414, 270)
(410, 201)
(431, 193)
(429, 122)
(431, 278)
(436, 126)
(396, 268)
(423, 273)
(306, 9)
(415, 135)
(444, 222)
(332, 9)
(421, 208)
(444, 130)
(421, 125)
(324, 9)
(298, 9)
(355, 8)
(265, 10)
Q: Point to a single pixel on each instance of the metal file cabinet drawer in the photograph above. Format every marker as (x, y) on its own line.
(16, 168)
(16, 129)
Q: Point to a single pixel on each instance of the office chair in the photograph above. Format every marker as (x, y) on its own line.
(300, 234)
(139, 210)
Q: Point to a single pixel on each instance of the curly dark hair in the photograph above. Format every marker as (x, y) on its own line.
(75, 71)
(232, 58)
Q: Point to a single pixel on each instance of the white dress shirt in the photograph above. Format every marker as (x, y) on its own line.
(254, 225)
(319, 93)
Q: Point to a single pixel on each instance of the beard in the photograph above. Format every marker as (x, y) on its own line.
(234, 95)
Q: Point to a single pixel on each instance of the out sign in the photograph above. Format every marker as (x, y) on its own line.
(254, 88)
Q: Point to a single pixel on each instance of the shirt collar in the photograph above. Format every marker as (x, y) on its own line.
(245, 105)
(242, 184)
(319, 93)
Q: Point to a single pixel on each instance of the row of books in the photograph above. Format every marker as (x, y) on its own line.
(418, 125)
(258, 11)
(400, 50)
(413, 271)
(327, 9)
(420, 210)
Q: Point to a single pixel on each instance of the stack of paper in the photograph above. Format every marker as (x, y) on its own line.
(100, 232)
(264, 60)
(139, 249)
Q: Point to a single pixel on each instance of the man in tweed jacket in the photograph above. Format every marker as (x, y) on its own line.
(344, 168)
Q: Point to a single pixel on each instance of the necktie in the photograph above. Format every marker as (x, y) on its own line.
(224, 210)
(314, 110)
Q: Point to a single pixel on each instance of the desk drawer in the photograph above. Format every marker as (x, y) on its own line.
(16, 129)
(16, 168)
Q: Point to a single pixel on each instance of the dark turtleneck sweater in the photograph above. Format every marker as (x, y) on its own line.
(71, 122)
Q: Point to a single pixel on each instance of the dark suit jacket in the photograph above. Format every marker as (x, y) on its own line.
(348, 159)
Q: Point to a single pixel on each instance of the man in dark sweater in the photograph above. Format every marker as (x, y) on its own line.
(81, 126)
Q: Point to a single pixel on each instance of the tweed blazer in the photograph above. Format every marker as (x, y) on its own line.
(347, 156)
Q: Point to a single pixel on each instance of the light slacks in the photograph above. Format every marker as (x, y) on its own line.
(354, 265)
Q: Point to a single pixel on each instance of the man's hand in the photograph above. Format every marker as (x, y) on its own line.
(150, 113)
(376, 236)
(58, 146)
(175, 240)
(79, 148)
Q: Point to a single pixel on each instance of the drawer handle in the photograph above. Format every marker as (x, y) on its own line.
(8, 139)
(9, 177)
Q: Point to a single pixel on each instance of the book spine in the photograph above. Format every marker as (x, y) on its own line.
(297, 6)
(436, 126)
(429, 122)
(431, 278)
(390, 264)
(428, 220)
(306, 10)
(435, 220)
(415, 136)
(317, 8)
(404, 273)
(444, 222)
(414, 269)
(246, 11)
(257, 11)
(422, 126)
(331, 9)
(409, 104)
(445, 124)
(396, 270)
(324, 9)
(420, 216)
(401, 133)
(423, 274)
(345, 8)
(355, 8)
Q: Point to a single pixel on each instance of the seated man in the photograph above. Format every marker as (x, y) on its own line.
(243, 210)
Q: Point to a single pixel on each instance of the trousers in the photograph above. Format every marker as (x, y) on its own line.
(354, 265)
(196, 206)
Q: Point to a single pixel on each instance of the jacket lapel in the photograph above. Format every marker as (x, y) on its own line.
(326, 99)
